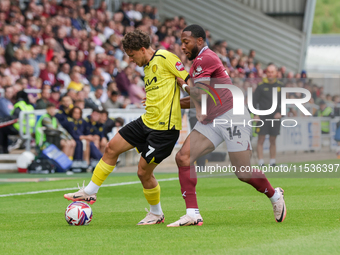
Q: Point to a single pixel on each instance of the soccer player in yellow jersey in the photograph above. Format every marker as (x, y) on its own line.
(154, 134)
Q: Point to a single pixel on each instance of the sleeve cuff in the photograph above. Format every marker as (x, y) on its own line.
(202, 79)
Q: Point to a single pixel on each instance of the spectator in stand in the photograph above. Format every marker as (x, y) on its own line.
(123, 82)
(71, 43)
(283, 70)
(80, 58)
(72, 94)
(79, 130)
(94, 82)
(50, 122)
(14, 71)
(44, 100)
(55, 95)
(136, 92)
(80, 103)
(6, 106)
(11, 48)
(96, 95)
(48, 75)
(63, 76)
(112, 102)
(324, 111)
(90, 63)
(85, 96)
(96, 129)
(72, 58)
(75, 82)
(66, 105)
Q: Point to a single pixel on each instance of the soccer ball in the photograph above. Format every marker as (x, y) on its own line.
(78, 213)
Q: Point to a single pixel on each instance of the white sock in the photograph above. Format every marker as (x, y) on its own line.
(192, 212)
(91, 188)
(275, 197)
(261, 161)
(156, 209)
(272, 161)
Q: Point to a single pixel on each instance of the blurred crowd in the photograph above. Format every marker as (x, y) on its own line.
(67, 49)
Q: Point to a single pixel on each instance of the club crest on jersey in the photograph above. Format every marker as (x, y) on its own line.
(154, 68)
(179, 66)
(198, 71)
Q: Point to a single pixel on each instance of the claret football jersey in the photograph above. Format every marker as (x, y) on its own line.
(208, 68)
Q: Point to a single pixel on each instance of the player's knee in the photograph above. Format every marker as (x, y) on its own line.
(260, 141)
(182, 158)
(110, 150)
(73, 143)
(272, 140)
(63, 143)
(244, 179)
(143, 175)
(244, 176)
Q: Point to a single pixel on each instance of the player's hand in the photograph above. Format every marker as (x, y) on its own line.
(180, 81)
(143, 101)
(277, 115)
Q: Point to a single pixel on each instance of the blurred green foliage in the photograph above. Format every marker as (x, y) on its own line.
(327, 17)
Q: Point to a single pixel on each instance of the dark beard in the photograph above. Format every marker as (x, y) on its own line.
(194, 53)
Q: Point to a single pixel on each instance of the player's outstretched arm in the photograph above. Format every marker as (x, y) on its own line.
(187, 103)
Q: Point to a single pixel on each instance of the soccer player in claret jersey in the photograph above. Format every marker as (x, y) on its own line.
(155, 133)
(206, 71)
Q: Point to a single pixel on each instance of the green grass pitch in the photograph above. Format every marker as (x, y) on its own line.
(237, 219)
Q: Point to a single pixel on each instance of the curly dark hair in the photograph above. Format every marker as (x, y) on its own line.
(135, 40)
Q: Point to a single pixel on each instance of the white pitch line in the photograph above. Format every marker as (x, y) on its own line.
(65, 189)
(105, 185)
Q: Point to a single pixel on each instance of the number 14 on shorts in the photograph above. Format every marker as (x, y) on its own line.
(233, 132)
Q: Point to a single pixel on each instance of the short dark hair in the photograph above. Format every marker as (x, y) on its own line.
(104, 112)
(196, 31)
(96, 110)
(119, 120)
(135, 40)
(7, 87)
(272, 64)
(49, 104)
(114, 93)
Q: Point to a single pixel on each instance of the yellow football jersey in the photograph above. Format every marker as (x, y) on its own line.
(163, 110)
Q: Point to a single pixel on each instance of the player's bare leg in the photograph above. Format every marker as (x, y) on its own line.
(86, 151)
(152, 193)
(260, 142)
(103, 144)
(272, 150)
(114, 148)
(195, 146)
(256, 178)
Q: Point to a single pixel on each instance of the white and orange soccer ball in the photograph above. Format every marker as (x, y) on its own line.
(78, 213)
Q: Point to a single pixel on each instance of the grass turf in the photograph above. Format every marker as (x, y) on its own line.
(237, 219)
